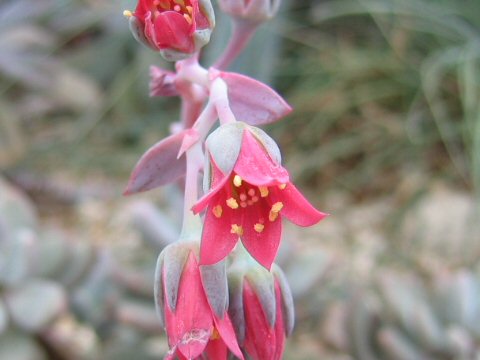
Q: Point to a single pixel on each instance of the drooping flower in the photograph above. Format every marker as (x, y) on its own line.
(261, 309)
(248, 192)
(192, 302)
(176, 28)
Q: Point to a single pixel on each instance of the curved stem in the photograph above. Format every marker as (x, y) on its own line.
(243, 32)
(219, 97)
(191, 227)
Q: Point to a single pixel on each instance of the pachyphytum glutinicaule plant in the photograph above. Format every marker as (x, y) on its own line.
(218, 292)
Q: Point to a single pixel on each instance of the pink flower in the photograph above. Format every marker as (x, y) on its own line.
(261, 308)
(177, 28)
(250, 193)
(192, 302)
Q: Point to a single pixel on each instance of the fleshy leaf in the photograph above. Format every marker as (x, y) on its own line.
(254, 102)
(158, 166)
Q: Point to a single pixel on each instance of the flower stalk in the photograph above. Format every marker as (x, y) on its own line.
(246, 190)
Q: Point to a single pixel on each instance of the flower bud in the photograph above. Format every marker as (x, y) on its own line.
(176, 28)
(253, 10)
(261, 308)
(192, 302)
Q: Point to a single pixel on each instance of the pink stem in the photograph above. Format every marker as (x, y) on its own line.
(243, 32)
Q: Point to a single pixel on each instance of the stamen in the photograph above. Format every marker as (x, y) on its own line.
(282, 186)
(272, 216)
(164, 4)
(243, 197)
(215, 334)
(236, 230)
(127, 14)
(217, 211)
(277, 206)
(251, 192)
(188, 18)
(243, 204)
(263, 191)
(255, 199)
(232, 203)
(189, 9)
(179, 2)
(259, 227)
(237, 181)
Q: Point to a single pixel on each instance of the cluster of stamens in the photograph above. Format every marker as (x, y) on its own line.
(159, 6)
(245, 195)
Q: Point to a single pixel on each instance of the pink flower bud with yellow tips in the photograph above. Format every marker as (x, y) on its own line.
(175, 28)
(247, 194)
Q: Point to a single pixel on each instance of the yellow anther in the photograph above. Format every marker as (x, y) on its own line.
(217, 211)
(179, 2)
(263, 191)
(282, 186)
(164, 4)
(259, 227)
(188, 18)
(236, 229)
(272, 216)
(232, 203)
(189, 9)
(277, 207)
(127, 13)
(237, 181)
(215, 334)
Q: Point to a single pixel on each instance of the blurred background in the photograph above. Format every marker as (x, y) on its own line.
(385, 136)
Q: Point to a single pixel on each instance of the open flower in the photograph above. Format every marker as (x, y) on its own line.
(176, 28)
(249, 192)
(192, 302)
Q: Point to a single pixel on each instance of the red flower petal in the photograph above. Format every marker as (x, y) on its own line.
(173, 31)
(259, 337)
(262, 245)
(217, 239)
(296, 208)
(227, 333)
(218, 182)
(189, 328)
(216, 350)
(255, 166)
